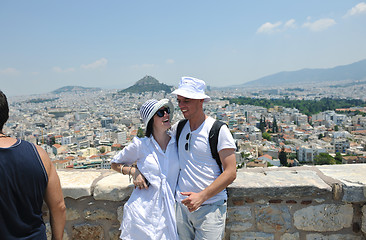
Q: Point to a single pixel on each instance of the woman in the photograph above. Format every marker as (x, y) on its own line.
(149, 212)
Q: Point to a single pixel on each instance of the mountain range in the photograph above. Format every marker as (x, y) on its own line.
(355, 72)
(74, 89)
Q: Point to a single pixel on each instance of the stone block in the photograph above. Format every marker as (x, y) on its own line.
(239, 214)
(77, 183)
(324, 218)
(238, 202)
(290, 236)
(120, 214)
(72, 214)
(251, 236)
(114, 234)
(317, 236)
(306, 202)
(319, 200)
(87, 232)
(115, 187)
(273, 218)
(99, 214)
(239, 226)
(352, 177)
(363, 228)
(49, 233)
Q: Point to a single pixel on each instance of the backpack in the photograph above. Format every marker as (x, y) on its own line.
(213, 138)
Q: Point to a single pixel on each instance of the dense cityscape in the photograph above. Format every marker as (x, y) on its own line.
(85, 129)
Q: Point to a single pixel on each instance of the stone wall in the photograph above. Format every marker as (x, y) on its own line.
(323, 202)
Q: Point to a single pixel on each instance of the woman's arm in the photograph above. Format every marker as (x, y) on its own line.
(138, 179)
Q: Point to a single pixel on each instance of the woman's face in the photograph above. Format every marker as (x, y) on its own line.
(162, 122)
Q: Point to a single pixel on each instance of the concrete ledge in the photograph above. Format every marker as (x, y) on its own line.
(293, 182)
(115, 187)
(285, 182)
(353, 178)
(78, 183)
(309, 202)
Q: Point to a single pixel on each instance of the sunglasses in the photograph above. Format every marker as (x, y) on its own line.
(186, 146)
(161, 112)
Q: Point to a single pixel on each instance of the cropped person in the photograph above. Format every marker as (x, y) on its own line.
(201, 191)
(27, 178)
(149, 212)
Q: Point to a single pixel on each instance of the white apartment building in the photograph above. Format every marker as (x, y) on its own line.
(66, 140)
(340, 145)
(307, 153)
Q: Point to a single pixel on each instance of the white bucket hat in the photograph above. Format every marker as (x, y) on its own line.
(193, 88)
(150, 107)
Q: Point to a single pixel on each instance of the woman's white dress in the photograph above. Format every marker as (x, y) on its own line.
(149, 213)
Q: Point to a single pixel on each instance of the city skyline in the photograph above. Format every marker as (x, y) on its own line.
(48, 45)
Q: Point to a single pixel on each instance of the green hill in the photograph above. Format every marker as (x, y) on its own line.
(147, 84)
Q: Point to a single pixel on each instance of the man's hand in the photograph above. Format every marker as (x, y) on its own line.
(139, 180)
(193, 200)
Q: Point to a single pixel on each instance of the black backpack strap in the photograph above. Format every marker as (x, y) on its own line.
(213, 139)
(180, 126)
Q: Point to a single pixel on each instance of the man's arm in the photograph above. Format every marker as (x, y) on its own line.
(194, 200)
(53, 197)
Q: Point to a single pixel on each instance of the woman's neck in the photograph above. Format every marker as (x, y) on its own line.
(162, 138)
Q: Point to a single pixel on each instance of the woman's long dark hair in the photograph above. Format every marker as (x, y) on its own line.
(149, 128)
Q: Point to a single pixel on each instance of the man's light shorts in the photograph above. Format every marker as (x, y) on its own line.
(206, 223)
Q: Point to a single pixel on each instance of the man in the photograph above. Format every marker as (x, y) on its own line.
(201, 191)
(27, 177)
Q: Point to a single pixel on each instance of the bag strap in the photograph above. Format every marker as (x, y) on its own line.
(213, 139)
(180, 126)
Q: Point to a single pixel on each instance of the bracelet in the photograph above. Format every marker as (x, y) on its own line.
(122, 169)
(129, 174)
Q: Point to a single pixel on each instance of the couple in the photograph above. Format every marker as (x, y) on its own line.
(180, 175)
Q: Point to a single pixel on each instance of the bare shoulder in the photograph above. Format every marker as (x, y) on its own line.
(44, 157)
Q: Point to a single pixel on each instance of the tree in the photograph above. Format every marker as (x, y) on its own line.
(244, 155)
(283, 157)
(336, 128)
(52, 140)
(292, 156)
(266, 135)
(320, 136)
(274, 127)
(261, 125)
(324, 159)
(102, 150)
(140, 133)
(338, 158)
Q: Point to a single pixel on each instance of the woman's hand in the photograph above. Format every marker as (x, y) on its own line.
(139, 180)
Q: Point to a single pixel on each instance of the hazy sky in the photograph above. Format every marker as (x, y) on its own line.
(45, 45)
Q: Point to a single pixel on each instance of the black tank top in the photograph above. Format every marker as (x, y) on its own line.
(23, 181)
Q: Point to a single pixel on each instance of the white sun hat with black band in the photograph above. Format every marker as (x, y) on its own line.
(150, 107)
(192, 88)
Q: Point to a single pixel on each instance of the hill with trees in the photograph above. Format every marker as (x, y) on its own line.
(147, 84)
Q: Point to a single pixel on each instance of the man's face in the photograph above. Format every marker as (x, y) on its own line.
(189, 106)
